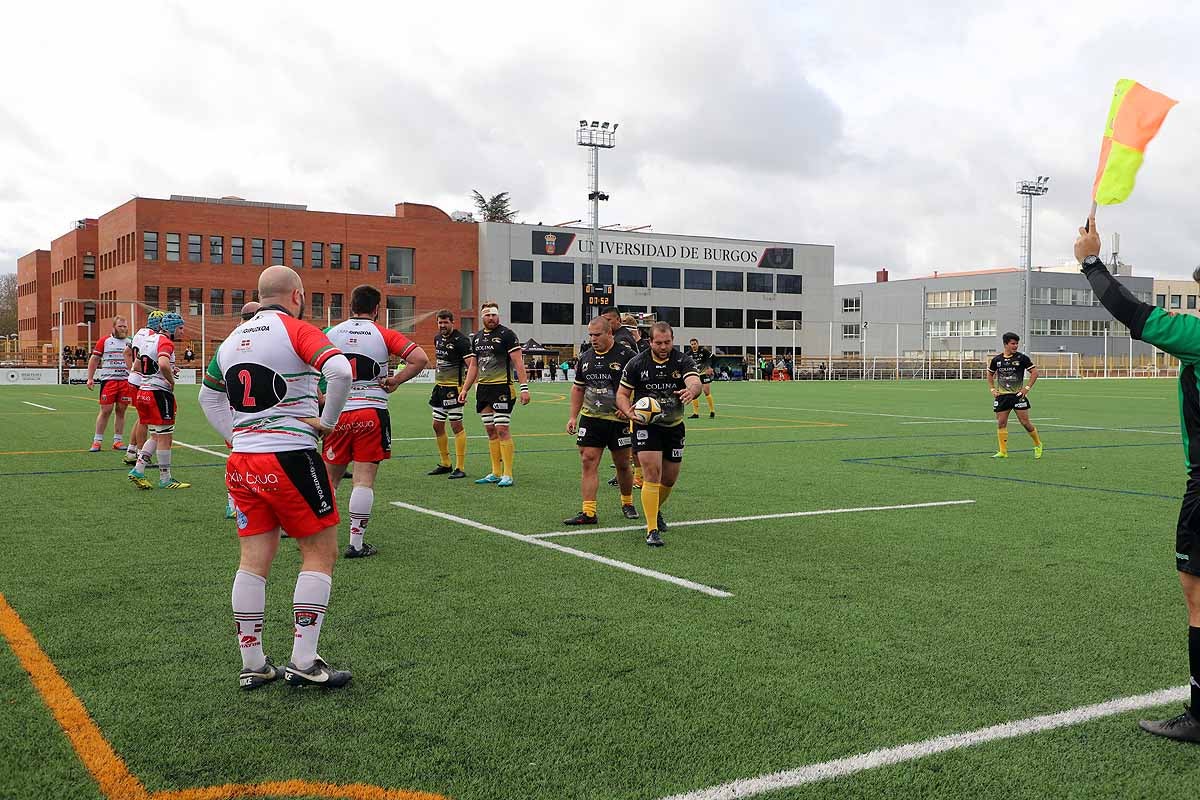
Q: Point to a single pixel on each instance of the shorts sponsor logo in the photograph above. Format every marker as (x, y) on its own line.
(330, 453)
(583, 431)
(643, 435)
(677, 452)
(450, 402)
(242, 520)
(624, 441)
(254, 479)
(306, 618)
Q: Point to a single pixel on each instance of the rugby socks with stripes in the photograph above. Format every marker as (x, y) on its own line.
(589, 507)
(1002, 437)
(1037, 440)
(164, 464)
(712, 407)
(460, 449)
(1194, 660)
(249, 607)
(361, 500)
(494, 451)
(309, 602)
(627, 499)
(650, 505)
(443, 443)
(507, 447)
(147, 454)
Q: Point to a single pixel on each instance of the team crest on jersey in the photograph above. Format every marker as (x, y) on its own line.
(306, 618)
(615, 365)
(645, 374)
(675, 374)
(244, 345)
(352, 340)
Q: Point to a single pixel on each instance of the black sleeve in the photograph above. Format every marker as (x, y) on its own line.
(1117, 299)
(992, 365)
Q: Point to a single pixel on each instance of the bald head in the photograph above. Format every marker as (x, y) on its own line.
(281, 286)
(250, 309)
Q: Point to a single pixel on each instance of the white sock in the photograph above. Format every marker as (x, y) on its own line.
(146, 455)
(361, 500)
(309, 602)
(164, 464)
(249, 607)
(99, 437)
(131, 450)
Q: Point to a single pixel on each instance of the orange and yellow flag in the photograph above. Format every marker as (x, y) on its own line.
(1134, 118)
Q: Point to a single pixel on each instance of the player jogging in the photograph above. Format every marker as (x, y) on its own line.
(261, 394)
(596, 422)
(113, 357)
(156, 404)
(667, 375)
(703, 359)
(364, 430)
(498, 352)
(1006, 380)
(456, 372)
(139, 435)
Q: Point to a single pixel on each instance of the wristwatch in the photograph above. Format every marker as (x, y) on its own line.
(1092, 261)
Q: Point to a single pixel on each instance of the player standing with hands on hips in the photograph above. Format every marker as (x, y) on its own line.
(1006, 380)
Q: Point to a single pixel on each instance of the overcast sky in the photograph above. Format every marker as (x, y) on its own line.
(894, 131)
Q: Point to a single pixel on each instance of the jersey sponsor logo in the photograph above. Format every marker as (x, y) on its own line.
(245, 345)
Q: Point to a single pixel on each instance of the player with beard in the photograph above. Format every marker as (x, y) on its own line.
(113, 357)
(455, 373)
(498, 351)
(703, 360)
(156, 404)
(139, 435)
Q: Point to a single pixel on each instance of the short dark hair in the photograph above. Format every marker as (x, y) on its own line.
(446, 313)
(662, 327)
(694, 339)
(1011, 337)
(611, 311)
(364, 299)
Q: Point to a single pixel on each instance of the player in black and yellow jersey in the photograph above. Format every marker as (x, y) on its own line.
(1006, 380)
(601, 425)
(455, 372)
(498, 355)
(703, 359)
(670, 377)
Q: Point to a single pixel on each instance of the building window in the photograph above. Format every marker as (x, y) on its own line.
(760, 282)
(794, 319)
(965, 298)
(335, 305)
(1160, 300)
(664, 277)
(335, 255)
(697, 317)
(356, 261)
(558, 272)
(520, 311)
(318, 306)
(174, 301)
(372, 263)
(789, 284)
(851, 305)
(697, 279)
(466, 292)
(195, 248)
(216, 302)
(277, 251)
(195, 301)
(850, 331)
(667, 314)
(729, 282)
(216, 249)
(1191, 302)
(150, 296)
(256, 251)
(237, 250)
(150, 246)
(729, 317)
(89, 267)
(400, 265)
(605, 274)
(297, 254)
(520, 271)
(558, 313)
(631, 309)
(237, 299)
(1176, 300)
(316, 255)
(172, 247)
(758, 319)
(402, 313)
(631, 276)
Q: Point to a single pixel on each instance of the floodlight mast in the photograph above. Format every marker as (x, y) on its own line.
(1029, 190)
(594, 136)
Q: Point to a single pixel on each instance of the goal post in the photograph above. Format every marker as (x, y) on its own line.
(1057, 364)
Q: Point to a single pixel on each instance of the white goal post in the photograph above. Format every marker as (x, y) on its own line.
(1057, 365)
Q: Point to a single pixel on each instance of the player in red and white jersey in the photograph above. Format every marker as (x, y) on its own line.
(112, 356)
(260, 393)
(364, 430)
(156, 404)
(138, 436)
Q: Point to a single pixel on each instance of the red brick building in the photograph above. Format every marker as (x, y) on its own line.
(202, 256)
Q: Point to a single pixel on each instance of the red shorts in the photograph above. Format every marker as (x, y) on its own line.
(155, 407)
(288, 490)
(116, 391)
(364, 434)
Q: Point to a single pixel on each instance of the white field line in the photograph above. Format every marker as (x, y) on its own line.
(38, 405)
(721, 520)
(649, 573)
(840, 768)
(217, 453)
(947, 422)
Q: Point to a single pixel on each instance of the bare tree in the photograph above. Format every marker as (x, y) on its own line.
(8, 303)
(494, 208)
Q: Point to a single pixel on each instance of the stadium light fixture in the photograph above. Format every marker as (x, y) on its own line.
(595, 137)
(1029, 190)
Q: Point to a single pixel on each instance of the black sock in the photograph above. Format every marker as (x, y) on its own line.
(1194, 663)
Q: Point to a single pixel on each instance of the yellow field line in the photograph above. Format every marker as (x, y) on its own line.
(70, 397)
(296, 788)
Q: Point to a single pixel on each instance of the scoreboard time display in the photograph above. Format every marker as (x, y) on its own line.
(598, 294)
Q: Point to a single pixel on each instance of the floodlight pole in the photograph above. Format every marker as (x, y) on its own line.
(1029, 190)
(594, 136)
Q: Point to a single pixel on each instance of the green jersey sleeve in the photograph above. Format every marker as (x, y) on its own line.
(1177, 334)
(213, 378)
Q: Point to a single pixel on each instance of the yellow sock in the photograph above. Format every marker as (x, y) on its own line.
(650, 505)
(712, 409)
(1002, 435)
(444, 449)
(627, 499)
(506, 453)
(460, 449)
(589, 507)
(494, 451)
(696, 406)
(664, 492)
(1037, 440)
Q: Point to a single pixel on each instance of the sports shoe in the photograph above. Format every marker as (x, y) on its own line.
(662, 523)
(173, 483)
(581, 519)
(319, 674)
(491, 477)
(1037, 451)
(505, 481)
(118, 445)
(250, 679)
(230, 511)
(359, 552)
(456, 474)
(629, 511)
(613, 481)
(129, 460)
(139, 480)
(1183, 728)
(712, 415)
(440, 469)
(694, 416)
(653, 539)
(999, 455)
(95, 448)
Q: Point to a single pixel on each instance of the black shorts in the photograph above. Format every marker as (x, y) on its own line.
(1008, 402)
(1187, 532)
(667, 440)
(445, 398)
(595, 432)
(497, 395)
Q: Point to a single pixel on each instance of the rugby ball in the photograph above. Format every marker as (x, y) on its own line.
(646, 410)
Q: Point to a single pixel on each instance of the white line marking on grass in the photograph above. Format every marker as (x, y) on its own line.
(785, 515)
(202, 449)
(947, 422)
(649, 573)
(840, 768)
(38, 405)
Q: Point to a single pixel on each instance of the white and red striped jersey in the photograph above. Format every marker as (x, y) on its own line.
(137, 342)
(111, 351)
(157, 344)
(269, 368)
(368, 345)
